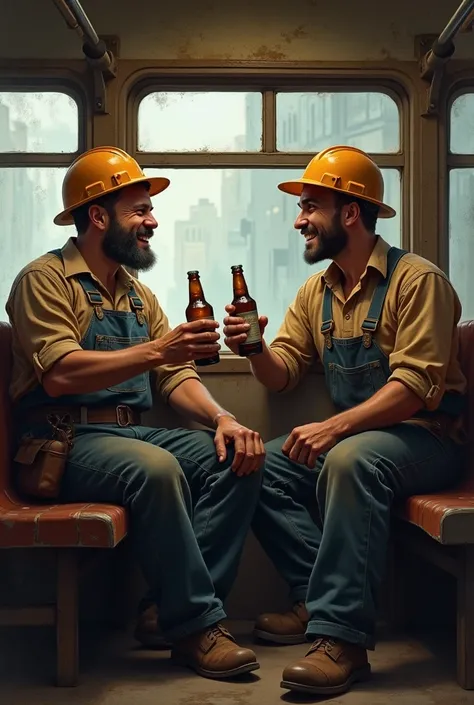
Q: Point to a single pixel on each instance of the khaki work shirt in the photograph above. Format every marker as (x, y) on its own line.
(417, 329)
(50, 314)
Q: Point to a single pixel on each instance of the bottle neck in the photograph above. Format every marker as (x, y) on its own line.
(240, 287)
(196, 292)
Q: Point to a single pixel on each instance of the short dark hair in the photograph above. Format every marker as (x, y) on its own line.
(81, 214)
(369, 212)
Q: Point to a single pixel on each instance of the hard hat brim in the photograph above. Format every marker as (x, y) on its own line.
(296, 186)
(157, 185)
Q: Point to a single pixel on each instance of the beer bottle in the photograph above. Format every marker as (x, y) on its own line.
(246, 308)
(197, 309)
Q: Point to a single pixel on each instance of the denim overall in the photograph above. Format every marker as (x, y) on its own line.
(336, 563)
(356, 368)
(108, 330)
(189, 514)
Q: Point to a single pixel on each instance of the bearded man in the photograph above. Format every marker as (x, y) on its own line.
(86, 337)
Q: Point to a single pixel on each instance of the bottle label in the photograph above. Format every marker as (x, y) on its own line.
(253, 335)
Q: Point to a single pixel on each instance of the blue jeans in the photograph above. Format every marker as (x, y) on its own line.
(335, 560)
(189, 514)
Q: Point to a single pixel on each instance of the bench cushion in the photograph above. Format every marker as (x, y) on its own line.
(449, 516)
(68, 525)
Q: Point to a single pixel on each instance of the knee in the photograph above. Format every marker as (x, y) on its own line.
(347, 462)
(156, 468)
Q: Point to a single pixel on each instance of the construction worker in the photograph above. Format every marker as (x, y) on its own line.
(86, 336)
(383, 323)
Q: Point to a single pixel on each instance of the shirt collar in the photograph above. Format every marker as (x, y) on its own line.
(74, 263)
(377, 260)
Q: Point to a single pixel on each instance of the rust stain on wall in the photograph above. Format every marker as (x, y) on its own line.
(183, 51)
(266, 53)
(298, 33)
(187, 51)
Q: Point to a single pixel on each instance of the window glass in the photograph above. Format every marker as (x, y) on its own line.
(310, 122)
(38, 122)
(200, 122)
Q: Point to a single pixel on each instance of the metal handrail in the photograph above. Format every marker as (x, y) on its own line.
(443, 48)
(456, 22)
(101, 60)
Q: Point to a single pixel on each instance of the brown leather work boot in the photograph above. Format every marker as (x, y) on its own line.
(330, 667)
(213, 653)
(147, 630)
(286, 628)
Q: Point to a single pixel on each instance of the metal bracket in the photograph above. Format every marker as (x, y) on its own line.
(100, 53)
(432, 70)
(104, 70)
(423, 44)
(434, 58)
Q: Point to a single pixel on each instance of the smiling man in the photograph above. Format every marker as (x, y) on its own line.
(86, 337)
(383, 323)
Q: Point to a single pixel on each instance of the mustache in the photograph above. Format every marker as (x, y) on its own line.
(309, 230)
(148, 232)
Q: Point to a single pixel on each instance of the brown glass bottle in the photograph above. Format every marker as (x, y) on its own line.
(246, 307)
(198, 309)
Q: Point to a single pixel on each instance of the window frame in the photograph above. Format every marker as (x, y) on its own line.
(268, 156)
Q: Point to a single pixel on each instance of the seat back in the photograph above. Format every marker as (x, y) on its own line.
(466, 358)
(6, 427)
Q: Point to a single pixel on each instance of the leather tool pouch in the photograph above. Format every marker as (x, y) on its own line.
(40, 462)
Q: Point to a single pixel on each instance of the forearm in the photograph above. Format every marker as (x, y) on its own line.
(392, 404)
(87, 371)
(269, 369)
(192, 400)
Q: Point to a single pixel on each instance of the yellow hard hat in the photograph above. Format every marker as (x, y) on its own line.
(346, 170)
(100, 171)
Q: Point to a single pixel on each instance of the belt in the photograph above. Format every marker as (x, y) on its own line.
(122, 415)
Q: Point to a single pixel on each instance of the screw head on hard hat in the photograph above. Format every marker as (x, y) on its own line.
(345, 170)
(100, 171)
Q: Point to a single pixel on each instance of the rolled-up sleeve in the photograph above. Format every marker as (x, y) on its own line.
(45, 324)
(294, 342)
(428, 313)
(168, 377)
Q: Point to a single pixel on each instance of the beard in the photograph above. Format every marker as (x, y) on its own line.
(121, 246)
(329, 243)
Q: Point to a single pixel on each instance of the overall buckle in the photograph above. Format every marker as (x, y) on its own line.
(369, 326)
(326, 329)
(124, 415)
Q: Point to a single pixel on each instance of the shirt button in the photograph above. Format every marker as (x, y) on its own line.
(348, 316)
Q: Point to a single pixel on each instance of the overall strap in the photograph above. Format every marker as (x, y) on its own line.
(94, 297)
(58, 253)
(136, 305)
(369, 326)
(327, 325)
